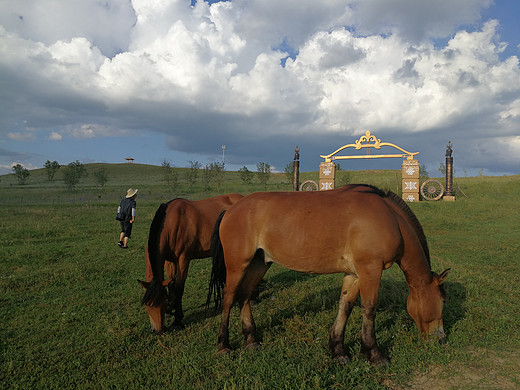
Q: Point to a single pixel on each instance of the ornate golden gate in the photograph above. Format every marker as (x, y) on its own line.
(410, 167)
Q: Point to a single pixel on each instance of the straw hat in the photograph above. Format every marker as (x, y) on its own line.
(131, 192)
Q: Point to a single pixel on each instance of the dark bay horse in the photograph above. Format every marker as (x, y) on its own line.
(357, 230)
(180, 231)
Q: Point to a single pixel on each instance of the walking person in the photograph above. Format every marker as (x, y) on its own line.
(126, 216)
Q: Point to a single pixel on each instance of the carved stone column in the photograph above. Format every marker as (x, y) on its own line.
(449, 195)
(296, 162)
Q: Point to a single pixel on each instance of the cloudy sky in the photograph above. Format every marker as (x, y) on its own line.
(101, 80)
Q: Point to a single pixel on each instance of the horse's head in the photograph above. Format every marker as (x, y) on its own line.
(425, 306)
(155, 301)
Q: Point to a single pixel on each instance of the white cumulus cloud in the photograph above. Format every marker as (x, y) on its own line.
(90, 69)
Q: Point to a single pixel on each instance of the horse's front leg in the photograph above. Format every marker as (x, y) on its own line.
(349, 292)
(369, 287)
(178, 292)
(170, 269)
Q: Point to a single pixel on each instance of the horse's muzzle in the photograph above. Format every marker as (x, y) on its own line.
(441, 336)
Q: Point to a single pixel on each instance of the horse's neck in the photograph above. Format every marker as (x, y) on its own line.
(416, 271)
(415, 263)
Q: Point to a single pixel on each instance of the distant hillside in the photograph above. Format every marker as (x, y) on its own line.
(154, 186)
(141, 174)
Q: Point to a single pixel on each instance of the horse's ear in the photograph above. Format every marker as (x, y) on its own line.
(144, 284)
(442, 277)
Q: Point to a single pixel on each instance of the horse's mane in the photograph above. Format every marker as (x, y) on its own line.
(412, 219)
(401, 204)
(156, 293)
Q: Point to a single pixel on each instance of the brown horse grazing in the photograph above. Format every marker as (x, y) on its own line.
(180, 231)
(357, 230)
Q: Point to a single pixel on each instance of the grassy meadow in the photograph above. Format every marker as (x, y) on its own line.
(70, 313)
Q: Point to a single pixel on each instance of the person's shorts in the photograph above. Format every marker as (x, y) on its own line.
(126, 227)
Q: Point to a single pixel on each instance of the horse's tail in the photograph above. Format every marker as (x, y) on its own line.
(218, 270)
(156, 292)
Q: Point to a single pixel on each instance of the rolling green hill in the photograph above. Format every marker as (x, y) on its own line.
(153, 185)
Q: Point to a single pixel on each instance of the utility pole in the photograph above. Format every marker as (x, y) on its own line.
(223, 155)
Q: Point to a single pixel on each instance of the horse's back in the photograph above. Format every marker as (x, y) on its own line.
(322, 232)
(189, 224)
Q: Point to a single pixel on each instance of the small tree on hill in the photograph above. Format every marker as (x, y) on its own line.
(166, 169)
(442, 169)
(213, 172)
(73, 174)
(21, 173)
(289, 171)
(174, 177)
(263, 171)
(169, 174)
(218, 172)
(192, 173)
(101, 176)
(51, 168)
(206, 177)
(245, 175)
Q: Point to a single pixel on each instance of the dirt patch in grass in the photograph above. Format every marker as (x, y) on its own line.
(484, 369)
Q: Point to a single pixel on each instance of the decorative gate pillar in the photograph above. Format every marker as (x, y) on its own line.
(410, 175)
(296, 166)
(448, 195)
(327, 175)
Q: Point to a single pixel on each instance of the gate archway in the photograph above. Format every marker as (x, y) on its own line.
(410, 167)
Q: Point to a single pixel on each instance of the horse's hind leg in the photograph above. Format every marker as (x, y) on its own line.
(254, 274)
(233, 277)
(349, 292)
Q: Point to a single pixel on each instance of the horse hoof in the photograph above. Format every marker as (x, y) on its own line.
(379, 361)
(176, 327)
(254, 345)
(224, 352)
(342, 359)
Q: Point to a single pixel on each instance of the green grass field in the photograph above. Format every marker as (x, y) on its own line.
(71, 317)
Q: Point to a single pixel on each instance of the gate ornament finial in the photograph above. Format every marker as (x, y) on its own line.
(367, 138)
(449, 149)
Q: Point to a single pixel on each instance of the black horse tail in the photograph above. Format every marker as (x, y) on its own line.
(156, 293)
(218, 270)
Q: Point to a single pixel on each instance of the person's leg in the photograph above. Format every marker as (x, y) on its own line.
(122, 235)
(127, 234)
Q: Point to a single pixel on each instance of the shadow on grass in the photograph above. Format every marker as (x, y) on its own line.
(392, 299)
(266, 289)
